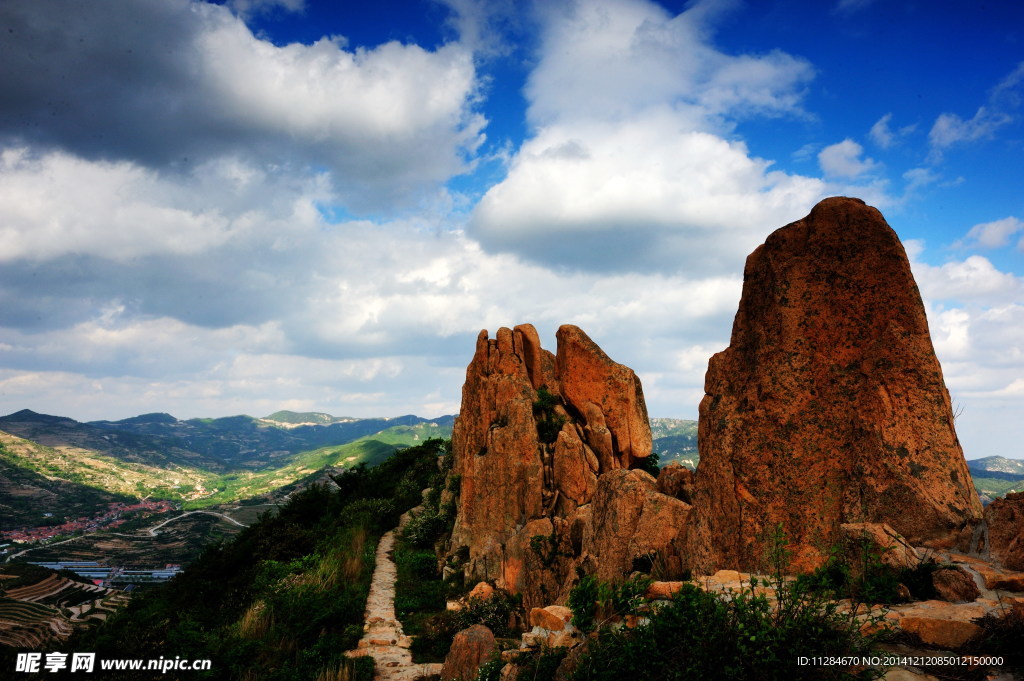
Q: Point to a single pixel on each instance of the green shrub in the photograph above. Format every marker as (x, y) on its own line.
(650, 464)
(741, 637)
(549, 423)
(434, 633)
(540, 665)
(425, 528)
(594, 603)
(855, 570)
(490, 670)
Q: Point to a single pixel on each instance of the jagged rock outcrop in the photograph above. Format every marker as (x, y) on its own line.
(1005, 520)
(542, 449)
(828, 406)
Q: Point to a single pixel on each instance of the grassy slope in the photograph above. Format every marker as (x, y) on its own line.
(98, 471)
(93, 470)
(284, 599)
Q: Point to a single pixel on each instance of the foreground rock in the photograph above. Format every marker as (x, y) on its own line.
(1005, 520)
(470, 648)
(828, 406)
(543, 450)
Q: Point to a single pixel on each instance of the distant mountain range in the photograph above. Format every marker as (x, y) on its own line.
(995, 476)
(49, 462)
(675, 440)
(52, 464)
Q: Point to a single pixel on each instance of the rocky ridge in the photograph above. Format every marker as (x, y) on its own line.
(545, 454)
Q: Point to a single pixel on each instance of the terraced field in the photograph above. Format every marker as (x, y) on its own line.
(40, 606)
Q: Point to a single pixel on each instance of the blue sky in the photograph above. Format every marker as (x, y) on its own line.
(264, 204)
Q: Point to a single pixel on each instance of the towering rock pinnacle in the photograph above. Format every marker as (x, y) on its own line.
(829, 405)
(542, 450)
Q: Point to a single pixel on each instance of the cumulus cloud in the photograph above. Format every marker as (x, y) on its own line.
(484, 26)
(94, 79)
(843, 160)
(119, 210)
(628, 167)
(974, 278)
(110, 312)
(993, 234)
(976, 316)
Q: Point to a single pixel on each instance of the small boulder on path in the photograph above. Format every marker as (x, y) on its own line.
(470, 648)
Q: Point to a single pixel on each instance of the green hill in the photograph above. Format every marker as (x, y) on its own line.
(675, 440)
(198, 462)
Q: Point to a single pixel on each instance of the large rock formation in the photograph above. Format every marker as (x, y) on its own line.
(828, 406)
(542, 450)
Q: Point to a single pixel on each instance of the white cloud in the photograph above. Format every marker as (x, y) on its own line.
(390, 122)
(484, 26)
(627, 168)
(843, 160)
(993, 234)
(884, 136)
(974, 278)
(976, 316)
(950, 129)
(608, 60)
(120, 211)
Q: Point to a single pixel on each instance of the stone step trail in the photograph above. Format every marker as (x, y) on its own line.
(383, 638)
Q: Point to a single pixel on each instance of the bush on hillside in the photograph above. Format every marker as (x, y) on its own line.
(740, 636)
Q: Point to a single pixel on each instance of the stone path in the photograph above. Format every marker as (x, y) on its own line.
(383, 638)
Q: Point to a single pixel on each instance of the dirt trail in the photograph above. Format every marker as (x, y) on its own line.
(383, 638)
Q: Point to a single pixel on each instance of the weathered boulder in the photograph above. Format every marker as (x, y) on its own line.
(828, 406)
(470, 648)
(552, 617)
(676, 480)
(880, 540)
(1005, 520)
(481, 592)
(663, 591)
(956, 585)
(631, 520)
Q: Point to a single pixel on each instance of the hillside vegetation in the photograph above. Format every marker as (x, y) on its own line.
(284, 599)
(199, 462)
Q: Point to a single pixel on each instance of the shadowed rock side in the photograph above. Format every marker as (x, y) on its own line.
(535, 445)
(1005, 522)
(828, 406)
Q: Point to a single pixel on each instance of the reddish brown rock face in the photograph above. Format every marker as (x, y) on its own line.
(828, 406)
(535, 438)
(1005, 520)
(470, 649)
(591, 379)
